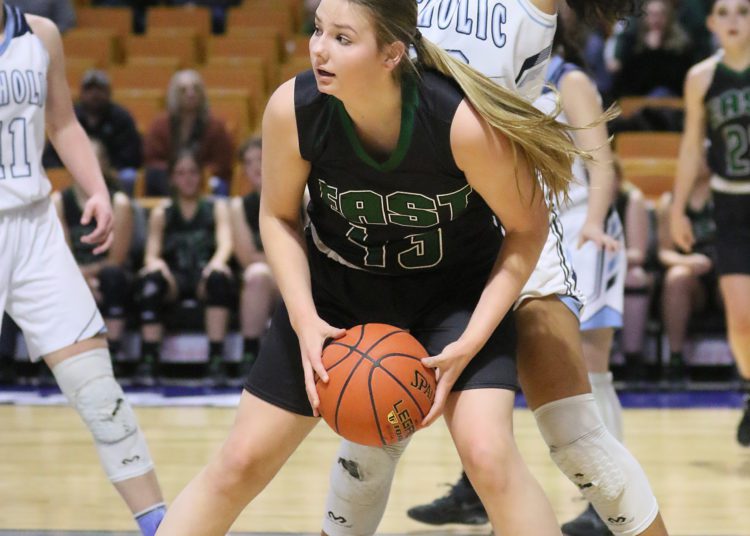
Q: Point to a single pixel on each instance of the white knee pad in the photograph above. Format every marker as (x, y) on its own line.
(360, 483)
(89, 385)
(602, 468)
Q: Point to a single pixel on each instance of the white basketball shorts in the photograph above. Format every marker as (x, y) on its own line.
(41, 287)
(553, 274)
(600, 274)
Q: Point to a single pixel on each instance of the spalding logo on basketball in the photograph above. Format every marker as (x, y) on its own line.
(378, 391)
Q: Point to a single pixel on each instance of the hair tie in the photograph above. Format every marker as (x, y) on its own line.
(417, 36)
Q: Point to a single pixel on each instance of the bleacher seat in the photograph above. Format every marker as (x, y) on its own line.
(119, 19)
(197, 19)
(648, 144)
(181, 44)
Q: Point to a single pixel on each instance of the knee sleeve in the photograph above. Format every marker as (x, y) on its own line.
(151, 294)
(87, 382)
(602, 468)
(218, 290)
(113, 284)
(359, 487)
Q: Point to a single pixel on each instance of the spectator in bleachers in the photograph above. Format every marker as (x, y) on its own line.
(188, 247)
(653, 54)
(105, 273)
(61, 12)
(111, 124)
(692, 15)
(690, 282)
(188, 124)
(631, 206)
(259, 291)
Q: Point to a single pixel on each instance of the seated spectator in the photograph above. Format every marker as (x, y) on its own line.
(61, 12)
(631, 206)
(690, 283)
(111, 124)
(653, 55)
(105, 273)
(188, 124)
(259, 292)
(188, 246)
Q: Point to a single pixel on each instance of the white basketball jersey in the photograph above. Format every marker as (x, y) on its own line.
(23, 93)
(578, 193)
(508, 41)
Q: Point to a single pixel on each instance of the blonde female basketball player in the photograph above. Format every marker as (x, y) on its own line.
(406, 179)
(512, 43)
(41, 287)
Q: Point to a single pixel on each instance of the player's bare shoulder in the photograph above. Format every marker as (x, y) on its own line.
(700, 75)
(47, 32)
(546, 6)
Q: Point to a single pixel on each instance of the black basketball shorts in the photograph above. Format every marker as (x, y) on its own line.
(434, 307)
(732, 215)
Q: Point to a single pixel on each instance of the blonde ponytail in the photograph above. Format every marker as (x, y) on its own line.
(543, 141)
(540, 139)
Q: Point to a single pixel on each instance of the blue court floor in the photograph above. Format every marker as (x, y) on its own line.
(696, 396)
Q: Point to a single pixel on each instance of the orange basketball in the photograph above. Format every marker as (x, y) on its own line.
(378, 391)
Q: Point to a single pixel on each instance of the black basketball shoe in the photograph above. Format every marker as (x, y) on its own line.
(743, 430)
(586, 524)
(460, 505)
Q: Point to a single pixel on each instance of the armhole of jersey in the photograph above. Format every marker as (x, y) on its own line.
(537, 15)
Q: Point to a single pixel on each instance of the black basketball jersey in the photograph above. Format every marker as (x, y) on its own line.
(728, 123)
(188, 245)
(414, 211)
(83, 253)
(251, 207)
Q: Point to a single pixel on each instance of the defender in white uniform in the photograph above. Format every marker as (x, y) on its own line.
(41, 287)
(510, 41)
(600, 272)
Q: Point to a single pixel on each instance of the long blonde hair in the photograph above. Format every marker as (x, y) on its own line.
(540, 139)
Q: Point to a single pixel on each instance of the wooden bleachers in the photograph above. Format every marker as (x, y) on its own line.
(194, 18)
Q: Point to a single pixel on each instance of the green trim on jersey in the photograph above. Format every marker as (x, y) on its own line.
(409, 103)
(741, 74)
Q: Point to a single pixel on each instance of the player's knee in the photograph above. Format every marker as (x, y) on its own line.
(257, 274)
(602, 468)
(152, 293)
(113, 285)
(218, 290)
(489, 462)
(678, 275)
(235, 466)
(362, 473)
(89, 385)
(360, 484)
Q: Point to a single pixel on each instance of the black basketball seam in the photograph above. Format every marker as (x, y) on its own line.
(350, 348)
(381, 339)
(374, 408)
(348, 379)
(366, 354)
(395, 379)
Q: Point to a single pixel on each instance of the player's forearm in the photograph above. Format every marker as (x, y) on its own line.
(670, 257)
(601, 190)
(286, 254)
(517, 259)
(687, 172)
(73, 146)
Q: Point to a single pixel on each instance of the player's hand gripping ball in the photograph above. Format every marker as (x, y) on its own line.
(378, 391)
